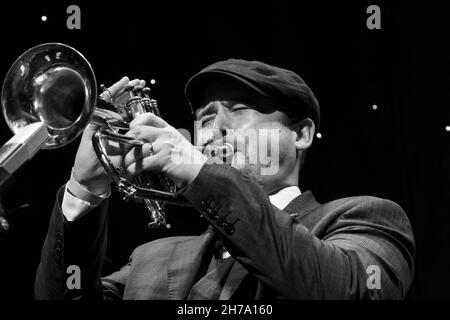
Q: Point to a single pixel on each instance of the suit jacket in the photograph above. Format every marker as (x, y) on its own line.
(352, 248)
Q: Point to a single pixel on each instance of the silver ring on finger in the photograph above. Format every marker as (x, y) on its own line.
(106, 90)
(152, 152)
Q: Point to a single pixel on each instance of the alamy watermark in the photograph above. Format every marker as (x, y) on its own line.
(74, 279)
(74, 20)
(374, 20)
(374, 277)
(235, 147)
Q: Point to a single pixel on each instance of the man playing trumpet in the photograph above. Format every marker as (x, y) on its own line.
(266, 240)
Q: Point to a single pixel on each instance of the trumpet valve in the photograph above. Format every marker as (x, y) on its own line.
(154, 106)
(146, 99)
(134, 104)
(146, 92)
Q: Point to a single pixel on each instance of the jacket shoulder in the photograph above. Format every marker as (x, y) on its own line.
(364, 202)
(359, 212)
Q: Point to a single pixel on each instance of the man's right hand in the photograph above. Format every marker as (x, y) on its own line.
(87, 170)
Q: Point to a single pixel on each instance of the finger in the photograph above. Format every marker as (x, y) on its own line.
(142, 83)
(108, 114)
(113, 149)
(149, 163)
(121, 96)
(136, 154)
(149, 119)
(116, 87)
(135, 82)
(146, 133)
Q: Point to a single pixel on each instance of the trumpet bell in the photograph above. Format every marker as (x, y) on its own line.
(52, 83)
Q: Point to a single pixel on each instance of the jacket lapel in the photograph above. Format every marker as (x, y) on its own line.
(234, 279)
(209, 287)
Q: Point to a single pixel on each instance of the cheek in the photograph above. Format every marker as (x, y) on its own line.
(272, 142)
(279, 136)
(246, 120)
(287, 147)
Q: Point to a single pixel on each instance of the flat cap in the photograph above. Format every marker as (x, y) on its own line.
(286, 88)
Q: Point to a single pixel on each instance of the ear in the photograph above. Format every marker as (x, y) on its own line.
(304, 132)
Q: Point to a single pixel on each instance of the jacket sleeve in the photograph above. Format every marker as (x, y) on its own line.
(365, 252)
(72, 257)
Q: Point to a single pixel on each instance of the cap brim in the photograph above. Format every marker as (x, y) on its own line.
(196, 85)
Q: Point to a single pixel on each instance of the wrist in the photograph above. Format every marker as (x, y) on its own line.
(195, 168)
(95, 187)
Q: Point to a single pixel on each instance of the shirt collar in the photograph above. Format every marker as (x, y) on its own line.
(283, 197)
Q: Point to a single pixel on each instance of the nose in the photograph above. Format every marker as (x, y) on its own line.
(222, 121)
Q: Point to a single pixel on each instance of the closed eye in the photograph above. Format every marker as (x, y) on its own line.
(238, 108)
(241, 105)
(207, 118)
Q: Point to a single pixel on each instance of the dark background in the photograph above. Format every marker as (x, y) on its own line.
(399, 151)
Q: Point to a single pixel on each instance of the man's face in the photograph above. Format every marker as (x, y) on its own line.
(263, 147)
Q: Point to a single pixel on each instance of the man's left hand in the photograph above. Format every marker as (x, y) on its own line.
(166, 150)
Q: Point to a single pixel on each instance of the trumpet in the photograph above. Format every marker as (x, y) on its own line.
(54, 84)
